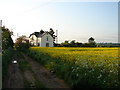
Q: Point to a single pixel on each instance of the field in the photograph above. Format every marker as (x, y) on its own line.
(80, 67)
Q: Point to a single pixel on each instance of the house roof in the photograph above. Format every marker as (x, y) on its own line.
(38, 34)
(91, 38)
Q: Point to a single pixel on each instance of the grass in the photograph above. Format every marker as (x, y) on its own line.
(25, 66)
(81, 67)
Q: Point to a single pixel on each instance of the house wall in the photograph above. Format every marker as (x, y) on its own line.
(39, 41)
(34, 41)
(91, 41)
(44, 40)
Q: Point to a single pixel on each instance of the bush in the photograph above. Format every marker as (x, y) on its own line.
(6, 59)
(22, 43)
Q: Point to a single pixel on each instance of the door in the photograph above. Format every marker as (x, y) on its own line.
(47, 44)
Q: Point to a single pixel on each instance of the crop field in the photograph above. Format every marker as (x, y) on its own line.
(80, 67)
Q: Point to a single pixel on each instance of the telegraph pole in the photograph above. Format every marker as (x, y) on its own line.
(17, 35)
(56, 36)
(0, 23)
(0, 53)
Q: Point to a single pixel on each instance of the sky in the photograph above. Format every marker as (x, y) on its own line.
(74, 20)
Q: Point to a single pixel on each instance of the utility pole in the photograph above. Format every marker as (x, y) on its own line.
(0, 53)
(56, 36)
(0, 23)
(17, 35)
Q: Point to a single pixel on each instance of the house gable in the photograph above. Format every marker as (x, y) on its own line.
(46, 40)
(41, 39)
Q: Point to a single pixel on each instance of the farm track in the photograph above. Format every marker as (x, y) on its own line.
(44, 76)
(17, 78)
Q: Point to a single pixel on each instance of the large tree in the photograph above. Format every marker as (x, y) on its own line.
(7, 41)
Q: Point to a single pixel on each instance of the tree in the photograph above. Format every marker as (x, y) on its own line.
(22, 43)
(7, 41)
(51, 31)
(72, 43)
(65, 44)
(78, 44)
(41, 31)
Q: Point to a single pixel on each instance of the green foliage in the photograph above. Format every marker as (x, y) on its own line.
(7, 50)
(65, 44)
(77, 44)
(6, 38)
(24, 65)
(22, 43)
(6, 59)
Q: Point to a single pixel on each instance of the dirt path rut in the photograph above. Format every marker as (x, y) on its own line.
(43, 75)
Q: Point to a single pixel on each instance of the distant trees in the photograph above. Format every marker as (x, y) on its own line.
(77, 44)
(71, 44)
(65, 44)
(22, 43)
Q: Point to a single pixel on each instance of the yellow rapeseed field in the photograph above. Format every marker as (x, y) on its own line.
(99, 65)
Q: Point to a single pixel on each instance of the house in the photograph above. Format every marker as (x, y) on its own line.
(91, 40)
(42, 38)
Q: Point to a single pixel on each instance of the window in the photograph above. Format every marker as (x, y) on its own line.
(38, 44)
(47, 38)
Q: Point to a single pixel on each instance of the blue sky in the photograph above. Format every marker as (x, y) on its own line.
(73, 20)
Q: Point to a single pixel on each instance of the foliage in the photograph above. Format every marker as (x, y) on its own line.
(7, 50)
(6, 59)
(65, 44)
(77, 44)
(51, 32)
(24, 65)
(81, 67)
(7, 41)
(22, 43)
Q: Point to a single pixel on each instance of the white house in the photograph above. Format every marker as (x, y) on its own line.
(42, 39)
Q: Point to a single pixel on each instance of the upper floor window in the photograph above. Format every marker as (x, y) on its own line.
(47, 38)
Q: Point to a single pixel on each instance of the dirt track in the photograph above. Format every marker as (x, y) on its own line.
(45, 76)
(16, 78)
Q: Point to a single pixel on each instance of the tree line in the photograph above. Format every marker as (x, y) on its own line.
(73, 43)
